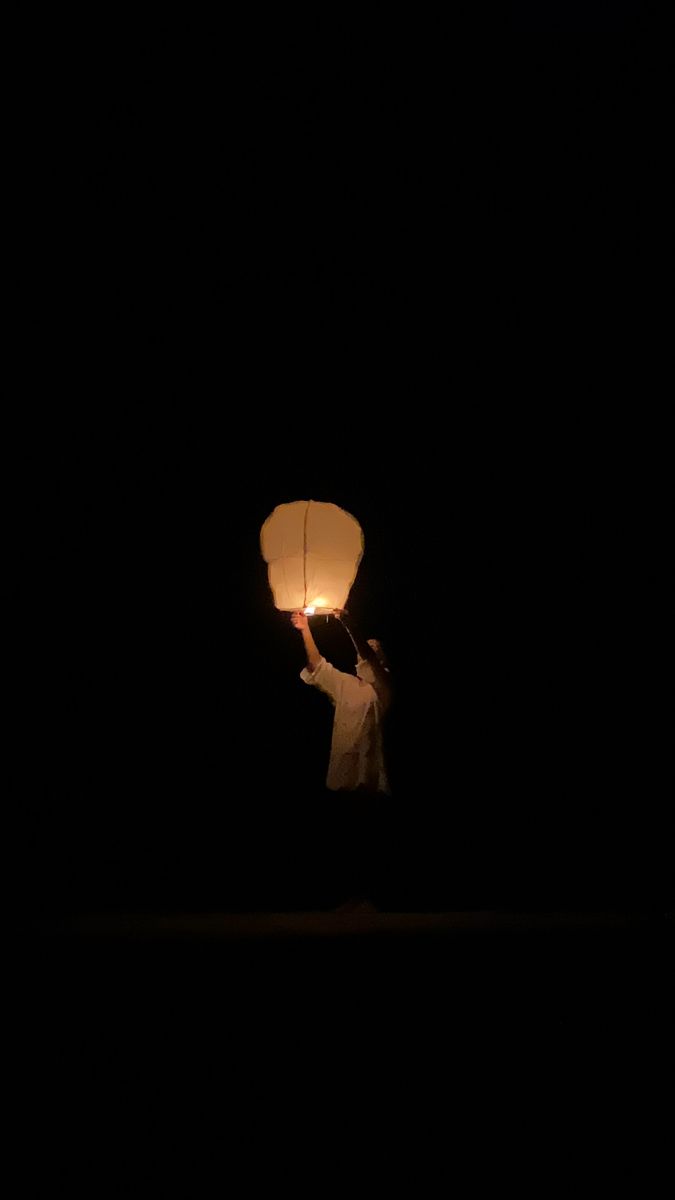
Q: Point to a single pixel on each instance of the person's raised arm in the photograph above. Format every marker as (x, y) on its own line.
(301, 623)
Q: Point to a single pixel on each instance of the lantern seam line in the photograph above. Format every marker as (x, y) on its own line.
(304, 554)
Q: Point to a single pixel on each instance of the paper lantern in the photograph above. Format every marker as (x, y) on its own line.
(313, 551)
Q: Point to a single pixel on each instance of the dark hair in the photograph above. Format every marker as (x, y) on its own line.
(377, 651)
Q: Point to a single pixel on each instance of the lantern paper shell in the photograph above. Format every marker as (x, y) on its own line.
(313, 551)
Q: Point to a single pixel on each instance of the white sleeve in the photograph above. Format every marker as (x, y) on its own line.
(327, 678)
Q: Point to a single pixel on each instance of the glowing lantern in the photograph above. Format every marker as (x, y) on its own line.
(313, 551)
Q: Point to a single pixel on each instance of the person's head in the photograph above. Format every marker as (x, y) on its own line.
(372, 668)
(365, 670)
(379, 653)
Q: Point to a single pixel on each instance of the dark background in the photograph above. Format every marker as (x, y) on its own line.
(407, 271)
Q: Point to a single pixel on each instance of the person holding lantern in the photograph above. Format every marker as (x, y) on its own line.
(356, 768)
(360, 702)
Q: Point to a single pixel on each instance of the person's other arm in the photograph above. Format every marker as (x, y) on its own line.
(366, 650)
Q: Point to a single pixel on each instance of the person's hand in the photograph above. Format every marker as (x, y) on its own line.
(299, 621)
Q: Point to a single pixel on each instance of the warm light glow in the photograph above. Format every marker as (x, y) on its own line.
(312, 550)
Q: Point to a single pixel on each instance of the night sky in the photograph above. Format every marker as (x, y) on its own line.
(408, 281)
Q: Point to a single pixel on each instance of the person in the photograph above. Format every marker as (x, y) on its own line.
(356, 769)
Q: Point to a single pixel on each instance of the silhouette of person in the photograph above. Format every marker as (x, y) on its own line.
(356, 768)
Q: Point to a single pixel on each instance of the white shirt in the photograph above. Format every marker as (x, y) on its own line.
(356, 756)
